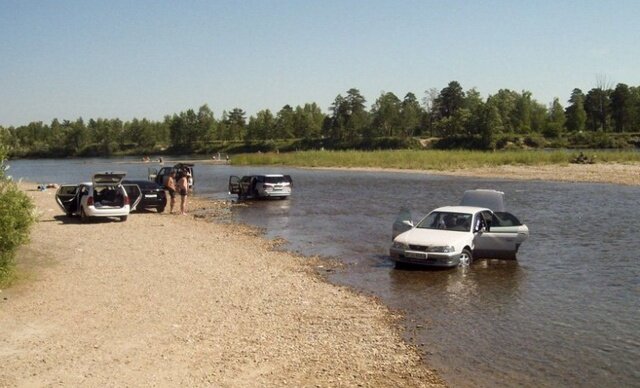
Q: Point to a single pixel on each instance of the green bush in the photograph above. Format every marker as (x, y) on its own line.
(16, 218)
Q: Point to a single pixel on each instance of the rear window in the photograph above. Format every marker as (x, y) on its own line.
(148, 185)
(277, 179)
(68, 190)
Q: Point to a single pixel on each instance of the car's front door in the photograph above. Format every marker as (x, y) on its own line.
(490, 243)
(402, 223)
(164, 172)
(234, 185)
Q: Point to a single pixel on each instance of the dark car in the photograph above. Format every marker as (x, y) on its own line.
(160, 177)
(145, 195)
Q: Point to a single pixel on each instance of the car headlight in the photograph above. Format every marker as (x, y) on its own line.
(442, 249)
(399, 245)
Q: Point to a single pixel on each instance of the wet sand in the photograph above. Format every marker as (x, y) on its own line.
(168, 300)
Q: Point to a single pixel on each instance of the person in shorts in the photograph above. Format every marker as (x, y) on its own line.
(183, 189)
(171, 188)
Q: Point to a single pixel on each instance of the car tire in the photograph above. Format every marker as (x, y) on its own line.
(161, 209)
(123, 218)
(466, 258)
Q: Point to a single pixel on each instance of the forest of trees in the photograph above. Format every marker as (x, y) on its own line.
(604, 117)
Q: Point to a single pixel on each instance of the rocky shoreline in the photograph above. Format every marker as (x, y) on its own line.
(177, 300)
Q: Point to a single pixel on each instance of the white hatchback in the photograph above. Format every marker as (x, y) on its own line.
(104, 196)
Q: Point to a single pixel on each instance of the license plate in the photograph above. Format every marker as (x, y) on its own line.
(416, 255)
(151, 196)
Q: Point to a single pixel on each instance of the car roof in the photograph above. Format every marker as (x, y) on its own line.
(142, 183)
(460, 209)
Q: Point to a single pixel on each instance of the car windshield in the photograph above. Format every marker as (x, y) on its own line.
(459, 222)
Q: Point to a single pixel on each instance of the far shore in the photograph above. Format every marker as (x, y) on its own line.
(614, 173)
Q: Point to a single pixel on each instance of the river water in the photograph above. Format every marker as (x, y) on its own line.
(566, 313)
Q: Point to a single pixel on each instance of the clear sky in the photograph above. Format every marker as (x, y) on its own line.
(125, 59)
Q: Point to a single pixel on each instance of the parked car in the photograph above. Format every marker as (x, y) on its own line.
(261, 186)
(144, 195)
(456, 235)
(104, 196)
(160, 176)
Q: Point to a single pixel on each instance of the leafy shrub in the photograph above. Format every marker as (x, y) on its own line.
(16, 218)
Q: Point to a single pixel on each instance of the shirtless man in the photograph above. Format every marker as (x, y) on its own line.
(183, 189)
(171, 187)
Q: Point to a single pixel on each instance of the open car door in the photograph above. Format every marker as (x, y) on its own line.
(402, 223)
(67, 198)
(234, 185)
(491, 240)
(134, 194)
(152, 173)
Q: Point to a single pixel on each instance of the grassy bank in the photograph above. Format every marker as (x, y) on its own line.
(428, 159)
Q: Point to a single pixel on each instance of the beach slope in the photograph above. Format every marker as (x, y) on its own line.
(168, 300)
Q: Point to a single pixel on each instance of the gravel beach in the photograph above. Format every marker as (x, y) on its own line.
(169, 300)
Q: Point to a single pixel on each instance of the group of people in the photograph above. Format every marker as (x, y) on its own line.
(180, 185)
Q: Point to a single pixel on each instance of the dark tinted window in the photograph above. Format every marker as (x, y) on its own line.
(505, 219)
(275, 179)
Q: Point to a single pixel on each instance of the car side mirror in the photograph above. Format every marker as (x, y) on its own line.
(408, 223)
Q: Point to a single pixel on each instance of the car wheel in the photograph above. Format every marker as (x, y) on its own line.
(123, 218)
(161, 209)
(466, 258)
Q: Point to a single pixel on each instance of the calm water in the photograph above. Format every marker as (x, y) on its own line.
(567, 313)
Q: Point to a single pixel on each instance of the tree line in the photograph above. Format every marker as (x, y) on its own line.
(447, 118)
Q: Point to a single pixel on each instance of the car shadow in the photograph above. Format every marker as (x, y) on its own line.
(77, 220)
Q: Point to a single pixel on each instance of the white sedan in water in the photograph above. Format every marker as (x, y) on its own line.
(455, 235)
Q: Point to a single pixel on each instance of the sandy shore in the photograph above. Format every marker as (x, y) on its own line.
(167, 300)
(616, 173)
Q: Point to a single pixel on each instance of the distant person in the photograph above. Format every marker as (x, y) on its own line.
(183, 189)
(171, 187)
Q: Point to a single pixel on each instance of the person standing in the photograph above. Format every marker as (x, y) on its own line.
(183, 189)
(171, 187)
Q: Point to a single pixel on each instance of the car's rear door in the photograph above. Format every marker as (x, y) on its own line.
(67, 198)
(134, 193)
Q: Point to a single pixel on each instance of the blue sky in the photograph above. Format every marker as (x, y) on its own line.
(107, 59)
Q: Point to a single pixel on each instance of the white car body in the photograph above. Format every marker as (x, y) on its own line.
(261, 186)
(104, 196)
(454, 235)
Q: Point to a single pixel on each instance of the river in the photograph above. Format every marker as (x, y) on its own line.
(566, 313)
